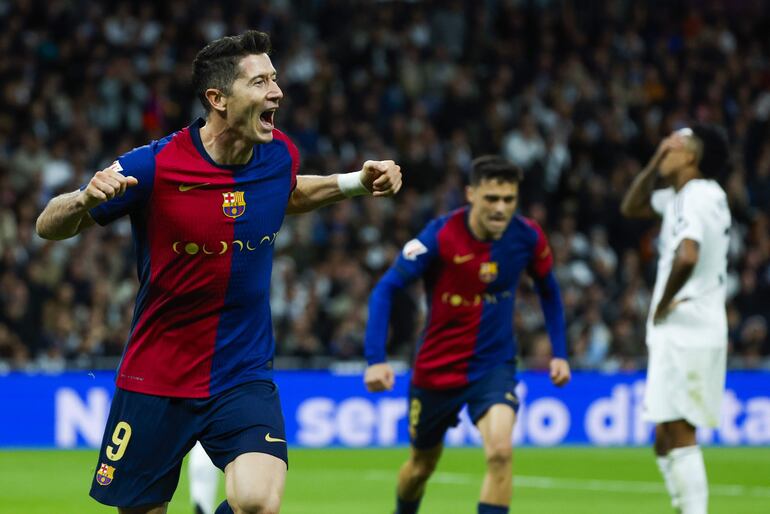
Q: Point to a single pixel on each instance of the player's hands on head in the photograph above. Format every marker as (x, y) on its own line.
(560, 372)
(106, 185)
(382, 178)
(379, 377)
(671, 142)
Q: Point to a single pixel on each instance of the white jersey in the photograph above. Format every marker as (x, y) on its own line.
(699, 212)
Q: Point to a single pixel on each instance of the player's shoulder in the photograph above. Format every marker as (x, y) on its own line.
(282, 139)
(701, 191)
(523, 226)
(143, 157)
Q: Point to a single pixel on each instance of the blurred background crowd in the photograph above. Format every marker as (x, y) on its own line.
(576, 93)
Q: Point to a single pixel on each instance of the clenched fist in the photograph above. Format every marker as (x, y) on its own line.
(106, 185)
(382, 178)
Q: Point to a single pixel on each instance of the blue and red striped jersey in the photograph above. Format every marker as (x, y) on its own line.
(471, 287)
(203, 236)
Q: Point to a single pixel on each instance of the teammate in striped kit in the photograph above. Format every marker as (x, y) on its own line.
(206, 204)
(471, 261)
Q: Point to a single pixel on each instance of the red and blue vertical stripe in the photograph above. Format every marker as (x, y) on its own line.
(202, 319)
(470, 286)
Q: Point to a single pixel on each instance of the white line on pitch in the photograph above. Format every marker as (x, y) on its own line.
(580, 484)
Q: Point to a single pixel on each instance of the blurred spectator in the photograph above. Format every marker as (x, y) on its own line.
(577, 94)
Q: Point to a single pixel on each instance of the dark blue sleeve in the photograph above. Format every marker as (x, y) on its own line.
(550, 301)
(140, 164)
(409, 266)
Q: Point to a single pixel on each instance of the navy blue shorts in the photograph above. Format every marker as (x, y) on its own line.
(432, 411)
(147, 437)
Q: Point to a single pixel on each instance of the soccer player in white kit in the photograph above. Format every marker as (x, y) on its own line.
(687, 325)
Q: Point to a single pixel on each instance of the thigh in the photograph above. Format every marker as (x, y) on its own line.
(431, 413)
(496, 387)
(245, 419)
(255, 479)
(701, 379)
(144, 443)
(496, 428)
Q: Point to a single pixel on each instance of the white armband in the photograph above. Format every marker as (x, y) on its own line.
(350, 184)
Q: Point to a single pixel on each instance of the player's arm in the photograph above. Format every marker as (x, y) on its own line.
(541, 270)
(553, 311)
(685, 259)
(376, 178)
(637, 200)
(415, 258)
(67, 215)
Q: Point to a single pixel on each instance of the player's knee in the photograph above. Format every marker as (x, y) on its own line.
(422, 469)
(499, 454)
(256, 502)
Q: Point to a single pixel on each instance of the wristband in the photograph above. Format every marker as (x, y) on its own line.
(350, 184)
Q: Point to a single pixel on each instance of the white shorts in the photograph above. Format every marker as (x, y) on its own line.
(684, 382)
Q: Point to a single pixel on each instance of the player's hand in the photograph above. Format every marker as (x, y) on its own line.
(662, 311)
(560, 373)
(672, 142)
(382, 178)
(106, 185)
(379, 377)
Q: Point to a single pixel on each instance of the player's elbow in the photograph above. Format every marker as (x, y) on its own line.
(629, 210)
(42, 228)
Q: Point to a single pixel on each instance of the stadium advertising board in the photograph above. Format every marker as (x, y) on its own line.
(70, 410)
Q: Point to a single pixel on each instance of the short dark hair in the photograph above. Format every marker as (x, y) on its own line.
(488, 167)
(216, 66)
(715, 152)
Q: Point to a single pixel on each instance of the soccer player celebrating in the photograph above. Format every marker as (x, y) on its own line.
(471, 260)
(206, 204)
(687, 325)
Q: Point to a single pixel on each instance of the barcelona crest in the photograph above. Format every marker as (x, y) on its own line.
(488, 272)
(105, 474)
(233, 204)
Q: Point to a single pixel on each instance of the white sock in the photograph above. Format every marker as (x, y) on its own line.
(204, 479)
(689, 476)
(664, 465)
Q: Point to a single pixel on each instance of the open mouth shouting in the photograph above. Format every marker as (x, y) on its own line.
(266, 119)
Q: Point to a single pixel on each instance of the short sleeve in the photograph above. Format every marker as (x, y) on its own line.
(140, 164)
(541, 261)
(689, 212)
(660, 199)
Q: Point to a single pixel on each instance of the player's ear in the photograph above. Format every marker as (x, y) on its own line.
(217, 99)
(469, 193)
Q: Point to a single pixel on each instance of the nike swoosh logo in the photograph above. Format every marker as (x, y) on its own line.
(185, 187)
(462, 259)
(273, 439)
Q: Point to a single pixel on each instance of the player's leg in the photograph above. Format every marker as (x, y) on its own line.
(414, 475)
(662, 446)
(204, 480)
(431, 413)
(492, 405)
(660, 404)
(688, 471)
(144, 443)
(245, 437)
(496, 427)
(254, 483)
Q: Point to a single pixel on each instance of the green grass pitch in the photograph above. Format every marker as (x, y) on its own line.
(554, 480)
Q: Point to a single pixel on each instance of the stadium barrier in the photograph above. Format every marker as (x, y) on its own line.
(322, 409)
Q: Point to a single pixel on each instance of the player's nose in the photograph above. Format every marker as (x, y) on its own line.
(275, 92)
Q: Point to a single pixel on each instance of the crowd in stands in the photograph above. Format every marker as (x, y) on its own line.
(576, 93)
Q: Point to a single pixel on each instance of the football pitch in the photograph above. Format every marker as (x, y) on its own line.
(341, 481)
